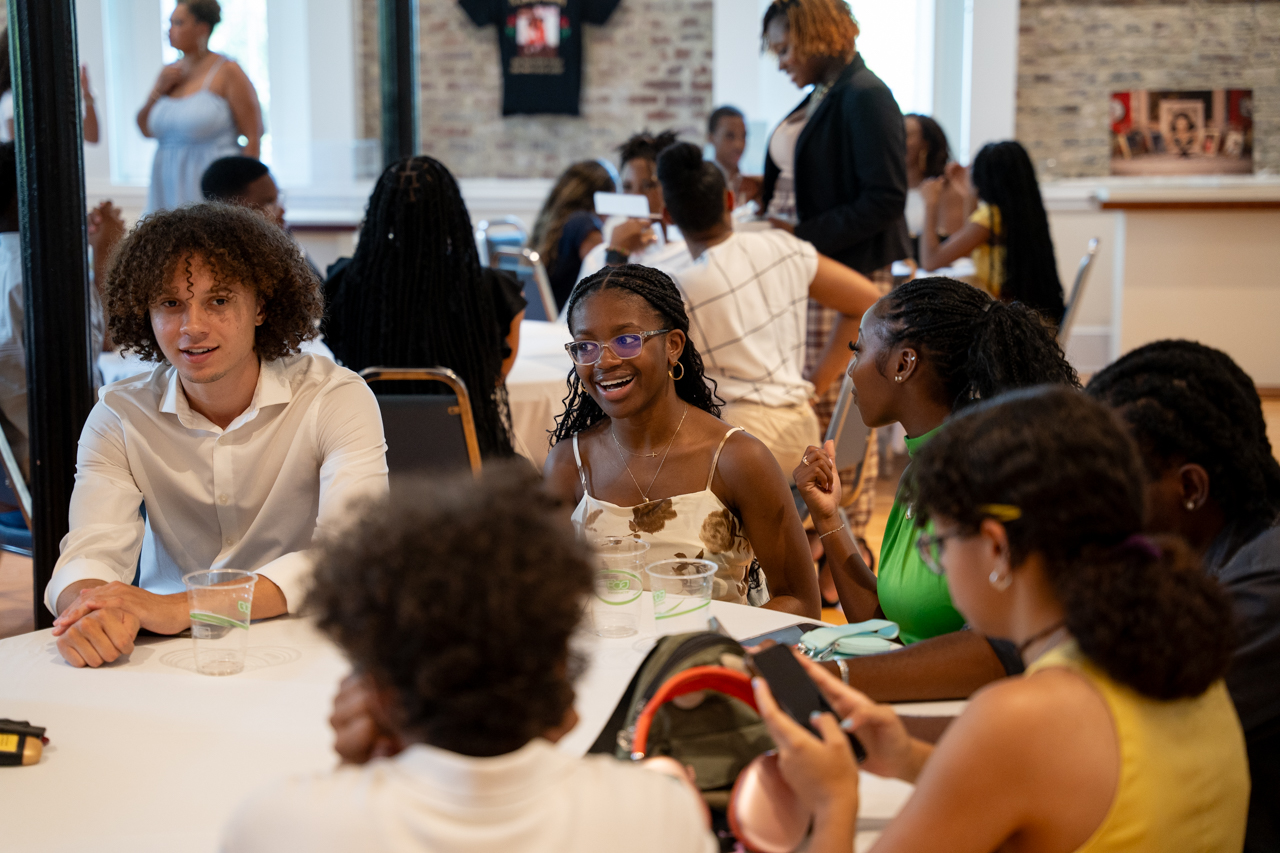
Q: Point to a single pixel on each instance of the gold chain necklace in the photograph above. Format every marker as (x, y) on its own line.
(642, 492)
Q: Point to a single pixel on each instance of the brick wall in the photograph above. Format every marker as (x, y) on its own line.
(650, 66)
(1074, 53)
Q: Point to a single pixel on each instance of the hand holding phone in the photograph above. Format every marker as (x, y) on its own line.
(795, 691)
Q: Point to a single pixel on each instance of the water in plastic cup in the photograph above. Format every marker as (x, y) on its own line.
(615, 609)
(681, 594)
(220, 602)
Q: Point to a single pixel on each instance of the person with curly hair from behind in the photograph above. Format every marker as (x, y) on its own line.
(239, 447)
(455, 601)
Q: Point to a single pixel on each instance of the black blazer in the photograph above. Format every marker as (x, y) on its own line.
(851, 173)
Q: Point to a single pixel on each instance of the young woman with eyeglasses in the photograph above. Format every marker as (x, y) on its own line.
(642, 452)
(1121, 736)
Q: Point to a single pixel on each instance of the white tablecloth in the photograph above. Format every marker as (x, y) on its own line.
(536, 386)
(146, 755)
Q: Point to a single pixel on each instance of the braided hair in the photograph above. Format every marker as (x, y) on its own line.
(937, 150)
(1005, 179)
(1184, 400)
(645, 146)
(1144, 612)
(413, 294)
(977, 346)
(581, 411)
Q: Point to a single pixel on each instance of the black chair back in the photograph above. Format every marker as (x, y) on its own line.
(426, 433)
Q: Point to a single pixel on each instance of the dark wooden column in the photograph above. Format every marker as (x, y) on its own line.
(55, 272)
(398, 41)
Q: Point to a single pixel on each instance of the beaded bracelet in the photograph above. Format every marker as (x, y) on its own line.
(829, 532)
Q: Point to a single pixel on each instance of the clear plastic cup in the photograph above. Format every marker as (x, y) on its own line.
(615, 608)
(681, 594)
(220, 602)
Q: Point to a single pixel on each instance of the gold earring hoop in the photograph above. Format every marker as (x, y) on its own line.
(671, 371)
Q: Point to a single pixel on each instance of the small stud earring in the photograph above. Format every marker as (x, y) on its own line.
(897, 379)
(1190, 505)
(999, 581)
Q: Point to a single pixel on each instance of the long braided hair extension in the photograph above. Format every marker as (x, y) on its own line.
(413, 295)
(581, 411)
(574, 191)
(978, 347)
(1184, 400)
(1004, 178)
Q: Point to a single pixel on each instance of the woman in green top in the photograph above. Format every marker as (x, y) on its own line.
(926, 349)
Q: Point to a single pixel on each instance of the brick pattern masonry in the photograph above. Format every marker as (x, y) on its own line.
(649, 67)
(1074, 53)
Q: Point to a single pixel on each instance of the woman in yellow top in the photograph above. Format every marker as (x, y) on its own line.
(1007, 235)
(1121, 736)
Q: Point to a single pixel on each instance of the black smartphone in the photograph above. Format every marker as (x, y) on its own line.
(795, 691)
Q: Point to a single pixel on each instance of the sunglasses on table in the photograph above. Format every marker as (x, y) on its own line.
(623, 346)
(930, 544)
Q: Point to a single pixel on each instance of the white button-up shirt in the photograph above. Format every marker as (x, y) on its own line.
(249, 497)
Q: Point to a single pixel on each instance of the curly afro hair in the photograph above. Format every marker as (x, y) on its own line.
(461, 595)
(240, 245)
(1146, 614)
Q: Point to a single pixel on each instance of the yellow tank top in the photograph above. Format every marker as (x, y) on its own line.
(1184, 778)
(988, 258)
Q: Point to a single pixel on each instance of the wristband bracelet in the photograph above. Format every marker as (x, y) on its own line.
(829, 532)
(615, 257)
(844, 669)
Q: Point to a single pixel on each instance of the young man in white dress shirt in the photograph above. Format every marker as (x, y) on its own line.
(239, 448)
(747, 293)
(456, 603)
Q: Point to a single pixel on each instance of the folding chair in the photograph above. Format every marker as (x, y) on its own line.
(535, 285)
(426, 433)
(15, 527)
(1077, 290)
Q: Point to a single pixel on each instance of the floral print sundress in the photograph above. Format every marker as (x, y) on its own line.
(692, 526)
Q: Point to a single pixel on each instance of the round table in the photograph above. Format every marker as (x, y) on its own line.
(146, 755)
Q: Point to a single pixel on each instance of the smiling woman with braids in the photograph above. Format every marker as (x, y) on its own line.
(415, 294)
(1212, 479)
(647, 455)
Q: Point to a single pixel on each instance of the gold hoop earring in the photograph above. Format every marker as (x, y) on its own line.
(671, 371)
(1000, 582)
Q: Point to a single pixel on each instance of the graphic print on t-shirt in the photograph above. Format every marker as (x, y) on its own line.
(537, 30)
(541, 46)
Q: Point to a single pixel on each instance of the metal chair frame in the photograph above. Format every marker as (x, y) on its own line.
(449, 378)
(530, 258)
(13, 474)
(482, 235)
(1077, 290)
(835, 430)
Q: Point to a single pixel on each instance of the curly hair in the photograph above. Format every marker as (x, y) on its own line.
(937, 149)
(1187, 402)
(461, 595)
(574, 191)
(818, 27)
(204, 11)
(645, 146)
(581, 411)
(239, 245)
(1148, 616)
(978, 347)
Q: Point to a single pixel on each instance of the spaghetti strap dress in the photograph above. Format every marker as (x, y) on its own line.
(192, 132)
(696, 525)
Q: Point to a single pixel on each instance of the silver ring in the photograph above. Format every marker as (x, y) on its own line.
(804, 460)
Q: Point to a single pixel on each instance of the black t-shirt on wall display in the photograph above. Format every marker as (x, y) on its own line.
(541, 44)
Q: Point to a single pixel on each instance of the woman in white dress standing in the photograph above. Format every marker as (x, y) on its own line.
(199, 107)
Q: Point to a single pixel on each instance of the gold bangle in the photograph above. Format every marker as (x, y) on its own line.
(829, 532)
